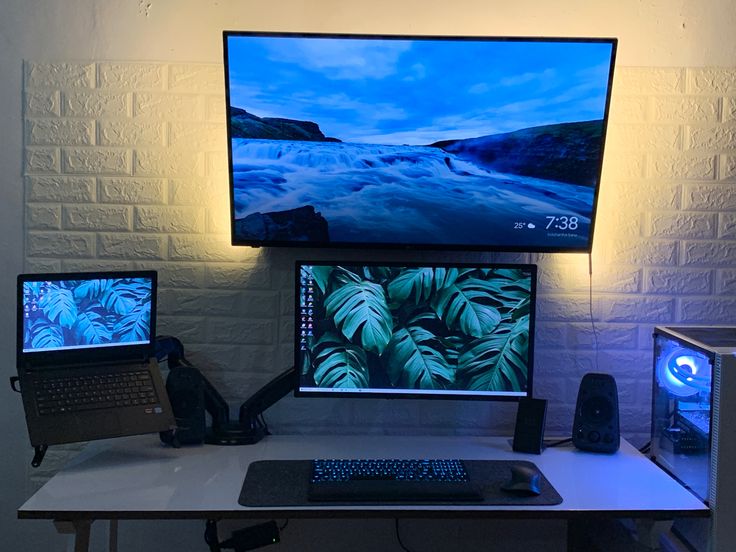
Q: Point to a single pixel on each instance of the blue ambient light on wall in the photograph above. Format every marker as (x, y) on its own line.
(684, 373)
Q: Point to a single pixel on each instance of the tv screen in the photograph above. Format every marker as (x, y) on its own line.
(416, 142)
(433, 330)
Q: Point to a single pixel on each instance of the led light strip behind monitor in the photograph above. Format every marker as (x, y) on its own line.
(481, 143)
(433, 330)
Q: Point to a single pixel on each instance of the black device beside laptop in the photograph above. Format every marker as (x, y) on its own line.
(85, 357)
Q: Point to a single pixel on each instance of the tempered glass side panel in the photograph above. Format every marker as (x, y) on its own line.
(681, 412)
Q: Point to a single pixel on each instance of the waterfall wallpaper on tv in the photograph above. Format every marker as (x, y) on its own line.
(424, 142)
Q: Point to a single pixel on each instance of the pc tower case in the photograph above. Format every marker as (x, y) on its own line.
(694, 425)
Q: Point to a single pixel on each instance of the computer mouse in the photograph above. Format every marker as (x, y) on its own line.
(525, 480)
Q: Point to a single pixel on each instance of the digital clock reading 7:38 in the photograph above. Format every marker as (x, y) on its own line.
(562, 223)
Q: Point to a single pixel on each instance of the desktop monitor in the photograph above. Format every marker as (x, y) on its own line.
(431, 330)
(473, 143)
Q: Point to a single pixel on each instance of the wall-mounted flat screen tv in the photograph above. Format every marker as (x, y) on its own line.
(416, 142)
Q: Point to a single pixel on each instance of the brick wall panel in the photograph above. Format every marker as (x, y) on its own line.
(132, 133)
(41, 132)
(644, 137)
(693, 109)
(721, 138)
(95, 104)
(42, 103)
(133, 191)
(125, 167)
(691, 167)
(169, 219)
(728, 167)
(645, 81)
(61, 75)
(709, 196)
(708, 311)
(209, 248)
(727, 226)
(97, 161)
(97, 217)
(196, 78)
(131, 76)
(713, 81)
(244, 275)
(61, 188)
(641, 252)
(43, 217)
(677, 281)
(60, 244)
(129, 246)
(198, 137)
(708, 253)
(726, 281)
(171, 107)
(682, 225)
(729, 110)
(629, 109)
(166, 162)
(42, 160)
(176, 275)
(637, 309)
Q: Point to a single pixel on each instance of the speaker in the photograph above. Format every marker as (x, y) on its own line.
(595, 427)
(185, 387)
(529, 428)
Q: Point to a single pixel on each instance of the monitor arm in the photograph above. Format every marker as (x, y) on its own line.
(250, 427)
(265, 397)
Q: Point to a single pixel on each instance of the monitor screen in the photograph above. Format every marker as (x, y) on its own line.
(62, 313)
(416, 142)
(432, 330)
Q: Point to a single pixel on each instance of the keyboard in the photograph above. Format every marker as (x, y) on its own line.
(66, 393)
(391, 480)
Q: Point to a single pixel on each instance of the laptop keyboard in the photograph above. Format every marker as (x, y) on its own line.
(62, 394)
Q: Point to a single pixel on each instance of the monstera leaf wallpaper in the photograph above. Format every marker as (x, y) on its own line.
(86, 312)
(424, 328)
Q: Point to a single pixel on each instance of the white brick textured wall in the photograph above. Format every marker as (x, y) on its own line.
(125, 166)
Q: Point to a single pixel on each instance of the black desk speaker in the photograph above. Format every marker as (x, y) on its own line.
(529, 428)
(596, 427)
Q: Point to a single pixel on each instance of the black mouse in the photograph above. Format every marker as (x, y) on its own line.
(525, 480)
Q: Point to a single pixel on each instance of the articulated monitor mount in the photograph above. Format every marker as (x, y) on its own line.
(250, 426)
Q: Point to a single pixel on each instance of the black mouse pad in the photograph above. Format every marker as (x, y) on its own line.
(285, 483)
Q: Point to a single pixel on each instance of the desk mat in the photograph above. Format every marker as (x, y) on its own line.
(284, 483)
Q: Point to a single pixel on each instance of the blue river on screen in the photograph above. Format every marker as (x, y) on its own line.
(405, 194)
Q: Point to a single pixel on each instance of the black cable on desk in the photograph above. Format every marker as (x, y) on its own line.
(398, 536)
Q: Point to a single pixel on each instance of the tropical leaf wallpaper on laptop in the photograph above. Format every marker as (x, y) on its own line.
(79, 313)
(424, 328)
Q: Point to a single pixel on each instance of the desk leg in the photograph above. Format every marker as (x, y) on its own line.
(80, 528)
(112, 542)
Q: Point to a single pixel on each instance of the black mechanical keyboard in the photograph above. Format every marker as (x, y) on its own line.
(61, 394)
(387, 480)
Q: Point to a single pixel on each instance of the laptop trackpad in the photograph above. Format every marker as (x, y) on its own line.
(105, 424)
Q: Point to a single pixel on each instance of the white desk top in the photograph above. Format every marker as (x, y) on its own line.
(137, 478)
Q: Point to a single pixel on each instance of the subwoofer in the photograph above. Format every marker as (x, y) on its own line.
(596, 426)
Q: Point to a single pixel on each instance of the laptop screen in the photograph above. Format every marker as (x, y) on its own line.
(87, 316)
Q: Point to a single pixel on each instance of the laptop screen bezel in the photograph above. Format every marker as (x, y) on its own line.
(87, 355)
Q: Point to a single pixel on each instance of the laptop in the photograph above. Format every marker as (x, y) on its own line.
(86, 356)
